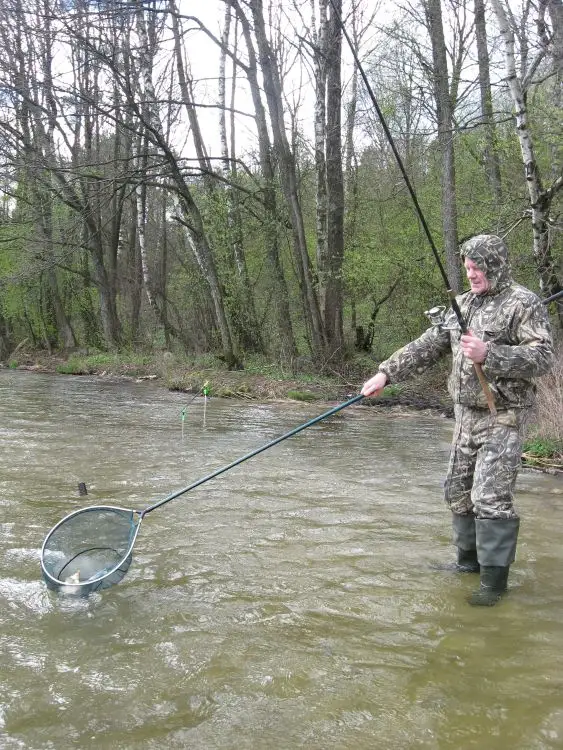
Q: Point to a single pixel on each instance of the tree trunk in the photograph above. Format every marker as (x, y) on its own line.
(202, 253)
(150, 117)
(5, 339)
(243, 310)
(38, 127)
(279, 295)
(288, 173)
(445, 141)
(491, 154)
(333, 313)
(320, 65)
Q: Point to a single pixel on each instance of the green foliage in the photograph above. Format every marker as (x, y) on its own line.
(544, 453)
(542, 448)
(18, 282)
(74, 366)
(123, 362)
(392, 390)
(303, 396)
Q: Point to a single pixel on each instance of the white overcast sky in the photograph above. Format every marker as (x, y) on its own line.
(204, 59)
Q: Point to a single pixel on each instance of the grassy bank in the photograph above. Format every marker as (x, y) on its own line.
(264, 381)
(260, 380)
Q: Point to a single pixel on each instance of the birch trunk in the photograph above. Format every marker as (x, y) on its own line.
(540, 198)
(151, 119)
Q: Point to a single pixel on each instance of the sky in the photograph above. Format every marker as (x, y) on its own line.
(204, 59)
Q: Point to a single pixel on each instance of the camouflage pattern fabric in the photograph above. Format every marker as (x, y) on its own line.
(509, 317)
(486, 450)
(484, 462)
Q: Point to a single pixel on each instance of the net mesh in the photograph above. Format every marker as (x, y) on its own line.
(91, 548)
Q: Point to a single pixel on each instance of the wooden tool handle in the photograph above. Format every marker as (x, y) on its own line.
(486, 389)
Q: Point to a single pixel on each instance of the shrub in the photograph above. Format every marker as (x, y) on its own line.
(544, 446)
(302, 395)
(548, 423)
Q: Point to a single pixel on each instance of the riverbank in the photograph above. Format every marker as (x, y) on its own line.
(260, 380)
(263, 381)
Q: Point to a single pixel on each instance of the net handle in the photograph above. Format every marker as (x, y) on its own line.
(255, 452)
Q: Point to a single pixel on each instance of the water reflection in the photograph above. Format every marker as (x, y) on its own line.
(288, 603)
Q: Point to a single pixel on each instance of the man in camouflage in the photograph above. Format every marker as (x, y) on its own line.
(509, 337)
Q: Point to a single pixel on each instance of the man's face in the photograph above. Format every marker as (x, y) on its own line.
(479, 282)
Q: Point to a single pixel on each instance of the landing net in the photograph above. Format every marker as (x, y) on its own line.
(90, 549)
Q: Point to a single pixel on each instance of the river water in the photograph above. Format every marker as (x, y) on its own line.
(289, 603)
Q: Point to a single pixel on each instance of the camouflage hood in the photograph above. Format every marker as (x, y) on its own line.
(490, 255)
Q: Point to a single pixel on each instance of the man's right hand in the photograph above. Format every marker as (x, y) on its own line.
(374, 386)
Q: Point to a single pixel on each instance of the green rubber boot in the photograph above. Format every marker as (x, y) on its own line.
(464, 536)
(491, 586)
(496, 550)
(463, 531)
(467, 561)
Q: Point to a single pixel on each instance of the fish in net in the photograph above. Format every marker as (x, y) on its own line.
(90, 549)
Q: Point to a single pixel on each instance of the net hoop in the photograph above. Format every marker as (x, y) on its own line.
(109, 575)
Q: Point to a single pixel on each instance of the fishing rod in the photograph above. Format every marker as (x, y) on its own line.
(451, 293)
(553, 297)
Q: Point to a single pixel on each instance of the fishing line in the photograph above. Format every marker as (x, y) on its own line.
(204, 391)
(205, 395)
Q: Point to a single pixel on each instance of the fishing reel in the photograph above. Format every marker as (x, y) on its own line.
(437, 316)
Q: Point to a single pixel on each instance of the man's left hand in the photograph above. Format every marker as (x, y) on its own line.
(473, 348)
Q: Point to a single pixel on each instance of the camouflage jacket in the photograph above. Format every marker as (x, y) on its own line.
(509, 317)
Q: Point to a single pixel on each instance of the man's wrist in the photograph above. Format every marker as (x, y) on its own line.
(383, 372)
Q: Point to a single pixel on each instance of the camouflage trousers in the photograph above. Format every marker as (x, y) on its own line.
(484, 462)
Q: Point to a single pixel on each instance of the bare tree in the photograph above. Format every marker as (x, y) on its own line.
(491, 152)
(143, 106)
(444, 115)
(288, 174)
(243, 309)
(33, 139)
(279, 297)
